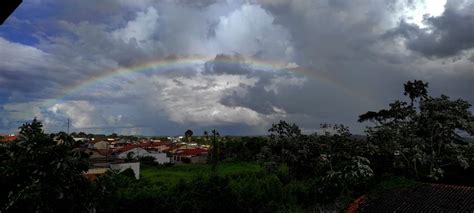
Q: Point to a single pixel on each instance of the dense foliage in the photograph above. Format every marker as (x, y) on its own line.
(423, 134)
(43, 173)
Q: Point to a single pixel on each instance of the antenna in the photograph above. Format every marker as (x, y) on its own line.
(68, 126)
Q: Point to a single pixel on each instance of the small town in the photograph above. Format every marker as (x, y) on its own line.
(106, 153)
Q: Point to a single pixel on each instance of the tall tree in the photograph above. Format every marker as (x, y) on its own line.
(188, 135)
(424, 135)
(43, 173)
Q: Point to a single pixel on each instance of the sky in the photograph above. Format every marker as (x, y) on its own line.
(160, 67)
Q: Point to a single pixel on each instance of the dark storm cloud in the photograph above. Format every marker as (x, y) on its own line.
(198, 4)
(347, 53)
(257, 98)
(447, 35)
(340, 40)
(227, 64)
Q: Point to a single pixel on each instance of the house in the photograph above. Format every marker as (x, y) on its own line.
(101, 145)
(160, 157)
(155, 146)
(94, 173)
(137, 151)
(95, 154)
(422, 198)
(173, 148)
(130, 149)
(117, 144)
(81, 139)
(194, 155)
(135, 166)
(176, 139)
(7, 138)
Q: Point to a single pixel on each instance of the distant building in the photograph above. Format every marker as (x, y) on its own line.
(138, 151)
(94, 173)
(156, 146)
(176, 139)
(135, 166)
(134, 150)
(95, 155)
(194, 155)
(101, 145)
(81, 139)
(7, 138)
(160, 157)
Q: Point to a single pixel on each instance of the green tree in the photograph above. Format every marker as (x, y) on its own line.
(43, 173)
(130, 157)
(287, 146)
(423, 133)
(81, 135)
(188, 135)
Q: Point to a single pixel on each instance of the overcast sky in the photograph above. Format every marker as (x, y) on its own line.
(337, 59)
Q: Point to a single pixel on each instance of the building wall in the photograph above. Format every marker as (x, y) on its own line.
(199, 159)
(160, 158)
(137, 152)
(101, 145)
(135, 166)
(94, 154)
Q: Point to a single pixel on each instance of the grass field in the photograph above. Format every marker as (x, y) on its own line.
(172, 175)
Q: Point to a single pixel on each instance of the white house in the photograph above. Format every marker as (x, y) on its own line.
(160, 157)
(135, 166)
(101, 145)
(140, 152)
(135, 152)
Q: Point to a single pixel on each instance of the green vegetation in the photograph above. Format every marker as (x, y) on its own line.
(423, 134)
(186, 172)
(394, 182)
(43, 173)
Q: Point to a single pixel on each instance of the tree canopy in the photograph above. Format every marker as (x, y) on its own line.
(43, 173)
(424, 134)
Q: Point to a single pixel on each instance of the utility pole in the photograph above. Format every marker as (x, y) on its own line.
(215, 150)
(68, 126)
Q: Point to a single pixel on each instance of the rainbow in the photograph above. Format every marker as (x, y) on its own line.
(176, 62)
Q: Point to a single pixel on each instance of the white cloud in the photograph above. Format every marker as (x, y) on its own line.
(250, 30)
(14, 114)
(82, 113)
(141, 29)
(196, 99)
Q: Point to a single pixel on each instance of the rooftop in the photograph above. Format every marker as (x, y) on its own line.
(422, 198)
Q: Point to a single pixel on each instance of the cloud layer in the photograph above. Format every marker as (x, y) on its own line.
(260, 61)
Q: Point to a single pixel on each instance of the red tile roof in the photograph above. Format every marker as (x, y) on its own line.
(104, 152)
(153, 144)
(126, 148)
(423, 198)
(7, 138)
(191, 152)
